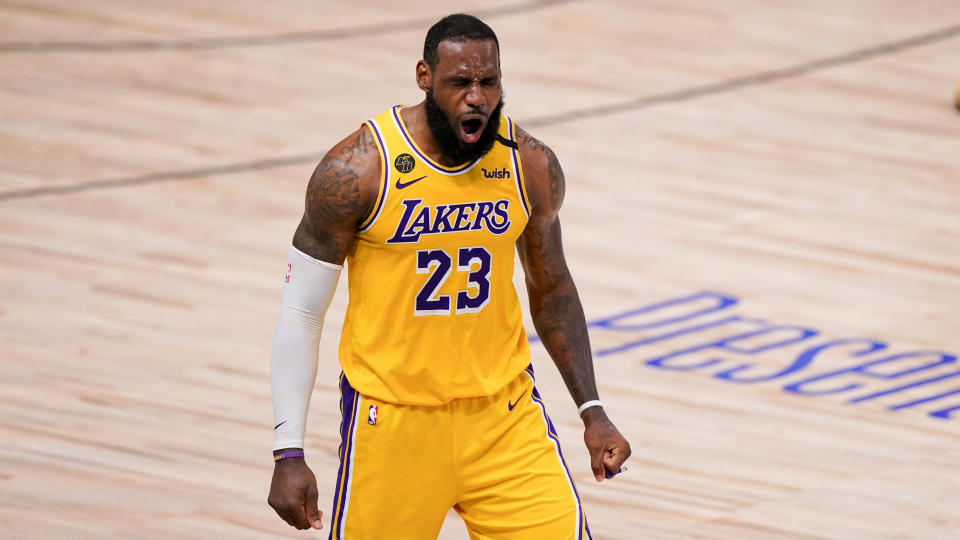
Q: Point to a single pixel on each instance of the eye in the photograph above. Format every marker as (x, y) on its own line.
(490, 81)
(460, 81)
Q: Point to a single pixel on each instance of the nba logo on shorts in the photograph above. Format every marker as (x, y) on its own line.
(372, 415)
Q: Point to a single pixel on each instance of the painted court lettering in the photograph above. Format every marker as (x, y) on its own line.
(732, 346)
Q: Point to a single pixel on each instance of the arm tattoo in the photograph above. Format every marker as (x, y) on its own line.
(335, 201)
(558, 317)
(362, 145)
(555, 306)
(333, 193)
(543, 152)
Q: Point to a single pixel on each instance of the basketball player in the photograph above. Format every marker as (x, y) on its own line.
(427, 204)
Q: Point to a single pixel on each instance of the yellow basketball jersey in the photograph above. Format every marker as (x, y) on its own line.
(433, 314)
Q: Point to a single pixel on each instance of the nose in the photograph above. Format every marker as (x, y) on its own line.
(474, 97)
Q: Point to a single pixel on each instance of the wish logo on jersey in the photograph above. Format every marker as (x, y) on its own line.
(419, 219)
(502, 172)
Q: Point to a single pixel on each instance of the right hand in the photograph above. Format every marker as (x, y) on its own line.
(293, 494)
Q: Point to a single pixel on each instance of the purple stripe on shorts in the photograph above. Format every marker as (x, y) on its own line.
(348, 406)
(551, 434)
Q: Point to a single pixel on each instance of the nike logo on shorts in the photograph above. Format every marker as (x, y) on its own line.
(511, 405)
(280, 424)
(401, 185)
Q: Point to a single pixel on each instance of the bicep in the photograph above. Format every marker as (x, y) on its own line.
(540, 246)
(338, 198)
(328, 243)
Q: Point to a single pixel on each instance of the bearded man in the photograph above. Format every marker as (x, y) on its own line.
(426, 205)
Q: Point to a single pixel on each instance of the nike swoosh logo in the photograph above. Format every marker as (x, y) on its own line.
(280, 424)
(511, 405)
(401, 185)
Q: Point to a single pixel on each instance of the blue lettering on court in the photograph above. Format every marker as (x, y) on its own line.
(736, 349)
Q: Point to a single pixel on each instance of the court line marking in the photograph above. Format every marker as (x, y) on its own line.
(755, 79)
(686, 94)
(185, 174)
(267, 40)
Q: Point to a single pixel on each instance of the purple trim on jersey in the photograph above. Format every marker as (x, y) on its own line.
(428, 161)
(552, 435)
(516, 167)
(348, 408)
(386, 176)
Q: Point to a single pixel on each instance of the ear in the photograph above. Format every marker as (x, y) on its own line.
(424, 76)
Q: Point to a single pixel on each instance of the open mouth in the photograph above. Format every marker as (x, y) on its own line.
(470, 130)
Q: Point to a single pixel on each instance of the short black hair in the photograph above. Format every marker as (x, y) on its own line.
(458, 28)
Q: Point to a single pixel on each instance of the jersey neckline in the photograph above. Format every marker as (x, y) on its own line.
(405, 133)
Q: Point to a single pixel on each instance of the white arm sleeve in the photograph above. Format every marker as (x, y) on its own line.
(309, 287)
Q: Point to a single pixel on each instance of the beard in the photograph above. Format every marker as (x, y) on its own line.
(449, 142)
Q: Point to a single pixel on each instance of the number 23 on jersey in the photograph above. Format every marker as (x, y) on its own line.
(439, 264)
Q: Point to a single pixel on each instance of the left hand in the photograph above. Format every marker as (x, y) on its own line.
(608, 449)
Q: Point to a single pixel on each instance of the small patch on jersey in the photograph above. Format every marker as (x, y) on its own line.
(372, 415)
(289, 269)
(404, 163)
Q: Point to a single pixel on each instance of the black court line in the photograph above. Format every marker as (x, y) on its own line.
(332, 34)
(755, 79)
(685, 94)
(186, 174)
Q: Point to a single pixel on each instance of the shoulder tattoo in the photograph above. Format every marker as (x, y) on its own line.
(334, 194)
(361, 145)
(544, 154)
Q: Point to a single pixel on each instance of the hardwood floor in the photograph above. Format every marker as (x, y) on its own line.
(762, 216)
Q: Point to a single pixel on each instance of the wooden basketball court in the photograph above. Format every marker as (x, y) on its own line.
(762, 216)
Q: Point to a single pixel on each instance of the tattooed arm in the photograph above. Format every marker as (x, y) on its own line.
(554, 303)
(340, 194)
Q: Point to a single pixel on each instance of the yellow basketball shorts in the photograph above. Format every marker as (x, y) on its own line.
(496, 460)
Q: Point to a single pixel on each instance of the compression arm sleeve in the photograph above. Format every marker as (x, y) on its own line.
(309, 287)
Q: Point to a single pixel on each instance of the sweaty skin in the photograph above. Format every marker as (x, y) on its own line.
(343, 189)
(466, 87)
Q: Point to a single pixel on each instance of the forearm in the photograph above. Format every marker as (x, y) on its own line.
(293, 360)
(293, 370)
(562, 328)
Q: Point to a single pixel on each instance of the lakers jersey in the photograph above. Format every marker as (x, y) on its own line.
(433, 314)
